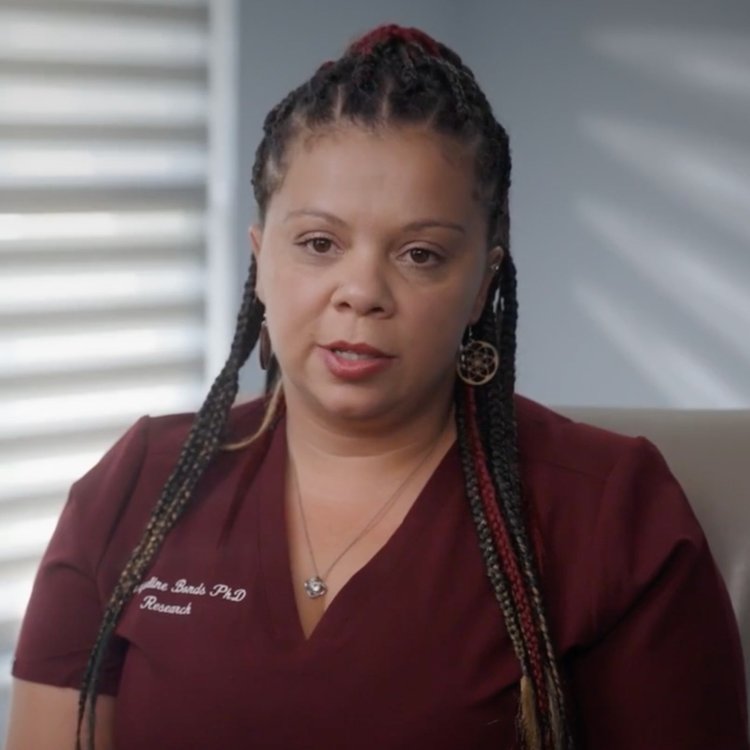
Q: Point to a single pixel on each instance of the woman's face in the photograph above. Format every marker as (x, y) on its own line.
(371, 263)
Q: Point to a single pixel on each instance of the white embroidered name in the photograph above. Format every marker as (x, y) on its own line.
(182, 587)
(215, 591)
(152, 583)
(228, 593)
(150, 602)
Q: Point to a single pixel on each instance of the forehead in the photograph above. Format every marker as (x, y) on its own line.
(391, 170)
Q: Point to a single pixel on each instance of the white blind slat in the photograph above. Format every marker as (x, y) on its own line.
(105, 348)
(61, 288)
(23, 416)
(45, 35)
(70, 101)
(100, 229)
(25, 165)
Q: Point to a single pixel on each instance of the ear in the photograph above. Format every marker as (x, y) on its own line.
(256, 238)
(493, 261)
(256, 242)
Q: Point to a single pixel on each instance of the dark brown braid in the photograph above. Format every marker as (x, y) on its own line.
(397, 76)
(501, 444)
(200, 446)
(499, 437)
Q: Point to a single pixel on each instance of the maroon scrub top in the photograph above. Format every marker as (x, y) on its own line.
(413, 652)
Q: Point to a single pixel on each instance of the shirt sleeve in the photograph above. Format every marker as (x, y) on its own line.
(666, 671)
(70, 593)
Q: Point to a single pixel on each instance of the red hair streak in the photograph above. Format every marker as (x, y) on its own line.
(365, 44)
(504, 547)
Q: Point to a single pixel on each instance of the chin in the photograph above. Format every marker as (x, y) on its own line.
(356, 403)
(358, 409)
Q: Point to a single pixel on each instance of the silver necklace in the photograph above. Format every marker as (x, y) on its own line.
(316, 585)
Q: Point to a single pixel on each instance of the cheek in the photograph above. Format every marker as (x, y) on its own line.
(291, 316)
(441, 327)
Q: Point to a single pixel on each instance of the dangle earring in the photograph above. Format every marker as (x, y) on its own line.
(264, 343)
(478, 361)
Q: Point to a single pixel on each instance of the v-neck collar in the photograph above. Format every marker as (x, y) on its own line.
(351, 600)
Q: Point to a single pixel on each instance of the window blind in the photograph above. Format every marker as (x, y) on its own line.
(104, 259)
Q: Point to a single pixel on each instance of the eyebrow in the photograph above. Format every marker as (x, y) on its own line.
(419, 224)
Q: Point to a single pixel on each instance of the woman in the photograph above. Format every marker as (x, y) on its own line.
(392, 549)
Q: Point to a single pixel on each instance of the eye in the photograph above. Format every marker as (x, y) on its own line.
(319, 245)
(422, 256)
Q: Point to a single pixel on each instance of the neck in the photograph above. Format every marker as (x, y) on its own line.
(325, 444)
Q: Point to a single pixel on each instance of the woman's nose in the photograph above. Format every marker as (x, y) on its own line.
(363, 284)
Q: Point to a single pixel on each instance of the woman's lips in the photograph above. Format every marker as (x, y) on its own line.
(355, 348)
(357, 361)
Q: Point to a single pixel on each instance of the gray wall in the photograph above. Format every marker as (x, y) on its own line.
(630, 130)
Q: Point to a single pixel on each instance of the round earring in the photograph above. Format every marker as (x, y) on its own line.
(264, 341)
(478, 361)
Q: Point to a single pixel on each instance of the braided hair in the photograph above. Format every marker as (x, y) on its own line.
(395, 76)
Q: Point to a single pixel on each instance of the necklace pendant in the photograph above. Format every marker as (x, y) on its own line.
(315, 587)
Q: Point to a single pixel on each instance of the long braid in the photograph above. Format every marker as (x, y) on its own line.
(201, 444)
(507, 343)
(503, 542)
(500, 440)
(494, 571)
